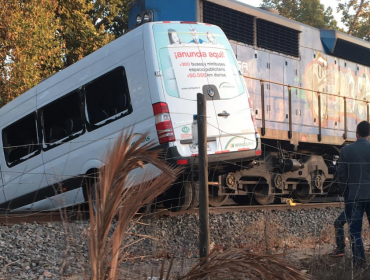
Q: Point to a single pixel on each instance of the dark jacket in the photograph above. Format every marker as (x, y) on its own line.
(354, 170)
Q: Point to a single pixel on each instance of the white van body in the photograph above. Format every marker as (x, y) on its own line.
(58, 132)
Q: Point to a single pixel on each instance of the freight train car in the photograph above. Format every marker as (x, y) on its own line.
(309, 89)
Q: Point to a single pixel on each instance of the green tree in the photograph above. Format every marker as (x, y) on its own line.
(88, 25)
(39, 38)
(30, 49)
(309, 12)
(112, 14)
(78, 32)
(356, 17)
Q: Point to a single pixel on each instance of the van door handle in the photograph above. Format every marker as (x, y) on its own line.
(223, 114)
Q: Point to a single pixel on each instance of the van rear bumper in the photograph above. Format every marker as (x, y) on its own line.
(172, 156)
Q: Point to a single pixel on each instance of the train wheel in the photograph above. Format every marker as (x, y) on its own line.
(242, 199)
(259, 195)
(178, 197)
(302, 194)
(216, 200)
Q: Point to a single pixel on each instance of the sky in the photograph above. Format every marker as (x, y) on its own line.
(332, 3)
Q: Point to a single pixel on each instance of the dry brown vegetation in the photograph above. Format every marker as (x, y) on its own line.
(116, 196)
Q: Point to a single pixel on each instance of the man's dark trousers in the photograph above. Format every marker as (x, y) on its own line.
(354, 177)
(339, 232)
(354, 211)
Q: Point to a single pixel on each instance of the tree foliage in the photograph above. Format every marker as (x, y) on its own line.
(309, 12)
(30, 49)
(356, 17)
(39, 38)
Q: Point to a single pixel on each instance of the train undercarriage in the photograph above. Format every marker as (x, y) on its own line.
(299, 173)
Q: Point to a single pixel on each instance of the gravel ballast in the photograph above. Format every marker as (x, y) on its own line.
(55, 250)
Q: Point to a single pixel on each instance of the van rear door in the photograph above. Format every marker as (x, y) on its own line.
(197, 58)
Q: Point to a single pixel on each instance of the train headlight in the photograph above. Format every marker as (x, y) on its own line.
(211, 38)
(146, 18)
(138, 19)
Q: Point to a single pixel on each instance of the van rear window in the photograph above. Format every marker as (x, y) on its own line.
(196, 56)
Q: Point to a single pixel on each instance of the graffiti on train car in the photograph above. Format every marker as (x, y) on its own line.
(322, 76)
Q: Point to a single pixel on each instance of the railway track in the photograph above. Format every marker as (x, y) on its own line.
(40, 217)
(56, 216)
(233, 208)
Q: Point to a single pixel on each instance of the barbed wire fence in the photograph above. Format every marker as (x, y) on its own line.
(250, 225)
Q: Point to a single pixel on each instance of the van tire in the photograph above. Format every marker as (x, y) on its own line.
(89, 187)
(178, 197)
(91, 177)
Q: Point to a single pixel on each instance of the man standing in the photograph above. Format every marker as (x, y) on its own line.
(354, 176)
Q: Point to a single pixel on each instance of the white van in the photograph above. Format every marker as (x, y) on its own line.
(55, 135)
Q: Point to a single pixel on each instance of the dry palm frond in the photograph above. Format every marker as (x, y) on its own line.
(115, 194)
(239, 264)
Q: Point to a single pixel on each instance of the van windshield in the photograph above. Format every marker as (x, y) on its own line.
(192, 56)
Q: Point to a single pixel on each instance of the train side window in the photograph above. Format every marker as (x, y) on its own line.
(107, 98)
(62, 120)
(20, 140)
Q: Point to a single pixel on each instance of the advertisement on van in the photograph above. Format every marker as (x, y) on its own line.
(192, 56)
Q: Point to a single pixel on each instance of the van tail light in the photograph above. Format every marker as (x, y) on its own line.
(253, 117)
(163, 123)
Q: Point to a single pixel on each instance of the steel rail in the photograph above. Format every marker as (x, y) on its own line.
(250, 208)
(57, 216)
(40, 217)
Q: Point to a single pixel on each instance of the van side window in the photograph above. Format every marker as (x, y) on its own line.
(20, 140)
(107, 98)
(62, 119)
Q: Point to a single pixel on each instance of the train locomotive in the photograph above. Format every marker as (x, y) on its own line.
(309, 88)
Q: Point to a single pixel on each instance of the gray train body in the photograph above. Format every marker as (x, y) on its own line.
(301, 132)
(310, 88)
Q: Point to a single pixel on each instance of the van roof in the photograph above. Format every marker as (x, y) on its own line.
(82, 64)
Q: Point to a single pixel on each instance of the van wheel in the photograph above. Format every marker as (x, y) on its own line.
(149, 208)
(178, 197)
(93, 195)
(215, 199)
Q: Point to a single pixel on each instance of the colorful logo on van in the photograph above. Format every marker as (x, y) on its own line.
(239, 143)
(185, 129)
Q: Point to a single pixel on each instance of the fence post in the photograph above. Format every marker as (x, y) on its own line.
(319, 116)
(263, 130)
(204, 236)
(345, 118)
(290, 132)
